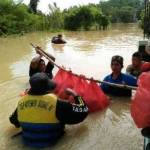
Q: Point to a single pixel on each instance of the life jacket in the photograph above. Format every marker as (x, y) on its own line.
(37, 118)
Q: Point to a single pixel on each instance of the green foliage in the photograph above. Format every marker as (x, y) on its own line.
(84, 17)
(15, 19)
(19, 18)
(122, 10)
(126, 14)
(55, 19)
(71, 20)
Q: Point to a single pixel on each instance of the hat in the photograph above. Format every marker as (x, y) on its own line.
(41, 84)
(117, 58)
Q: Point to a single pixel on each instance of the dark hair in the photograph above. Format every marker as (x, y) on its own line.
(59, 35)
(137, 54)
(117, 58)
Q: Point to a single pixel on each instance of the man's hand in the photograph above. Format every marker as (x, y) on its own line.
(38, 52)
(69, 91)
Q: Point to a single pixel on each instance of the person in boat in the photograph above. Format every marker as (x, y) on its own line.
(135, 68)
(118, 77)
(38, 65)
(58, 39)
(42, 115)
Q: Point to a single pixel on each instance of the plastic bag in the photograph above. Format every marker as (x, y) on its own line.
(140, 105)
(95, 98)
(92, 94)
(64, 79)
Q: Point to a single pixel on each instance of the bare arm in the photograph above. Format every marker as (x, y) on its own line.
(39, 48)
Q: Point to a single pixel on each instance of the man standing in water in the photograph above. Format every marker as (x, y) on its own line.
(135, 68)
(38, 65)
(42, 115)
(118, 77)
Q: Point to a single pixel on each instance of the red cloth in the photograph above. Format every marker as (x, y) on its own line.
(60, 76)
(91, 92)
(140, 105)
(95, 98)
(64, 79)
(80, 86)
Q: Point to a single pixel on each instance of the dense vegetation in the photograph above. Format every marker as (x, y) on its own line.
(17, 18)
(85, 17)
(123, 10)
(145, 19)
(20, 18)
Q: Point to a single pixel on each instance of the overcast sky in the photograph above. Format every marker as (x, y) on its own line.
(43, 4)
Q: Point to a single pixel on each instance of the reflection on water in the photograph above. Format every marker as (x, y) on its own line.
(58, 47)
(86, 53)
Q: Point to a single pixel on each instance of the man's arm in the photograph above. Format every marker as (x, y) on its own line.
(50, 66)
(49, 55)
(68, 113)
(36, 59)
(14, 119)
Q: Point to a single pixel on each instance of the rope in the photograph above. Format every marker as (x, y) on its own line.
(90, 79)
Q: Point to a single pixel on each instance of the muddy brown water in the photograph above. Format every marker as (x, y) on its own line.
(87, 53)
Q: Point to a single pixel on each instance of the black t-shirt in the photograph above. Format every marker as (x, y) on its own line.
(68, 113)
(48, 71)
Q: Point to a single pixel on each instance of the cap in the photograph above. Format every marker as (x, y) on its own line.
(41, 84)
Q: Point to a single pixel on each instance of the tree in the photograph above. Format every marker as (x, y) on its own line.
(84, 17)
(122, 10)
(55, 17)
(33, 6)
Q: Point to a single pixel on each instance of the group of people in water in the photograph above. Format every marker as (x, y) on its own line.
(129, 78)
(42, 115)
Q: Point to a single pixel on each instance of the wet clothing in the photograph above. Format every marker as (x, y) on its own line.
(48, 70)
(133, 71)
(122, 79)
(43, 117)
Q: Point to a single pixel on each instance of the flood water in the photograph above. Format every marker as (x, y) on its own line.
(87, 53)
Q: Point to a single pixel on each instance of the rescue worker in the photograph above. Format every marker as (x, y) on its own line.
(42, 115)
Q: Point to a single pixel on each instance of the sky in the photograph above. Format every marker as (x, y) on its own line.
(62, 4)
